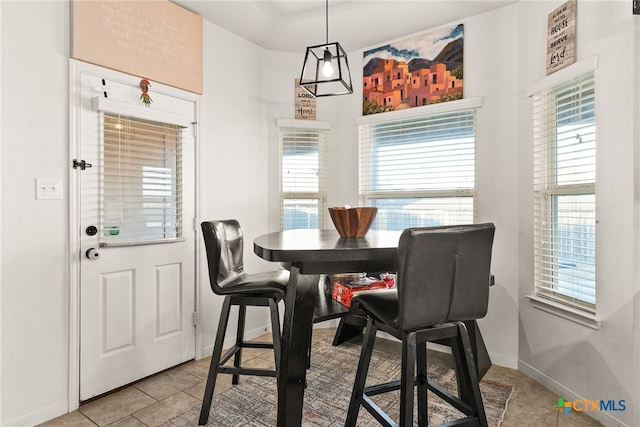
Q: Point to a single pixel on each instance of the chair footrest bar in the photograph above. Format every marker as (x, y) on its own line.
(246, 371)
(377, 412)
(257, 344)
(449, 398)
(231, 352)
(382, 388)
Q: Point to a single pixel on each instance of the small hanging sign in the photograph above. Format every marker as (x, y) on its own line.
(561, 37)
(305, 104)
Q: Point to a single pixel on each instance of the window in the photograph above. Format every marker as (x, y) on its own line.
(564, 194)
(419, 171)
(142, 181)
(302, 177)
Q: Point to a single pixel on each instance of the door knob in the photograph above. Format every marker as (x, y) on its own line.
(92, 253)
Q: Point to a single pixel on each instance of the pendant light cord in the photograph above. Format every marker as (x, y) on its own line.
(327, 19)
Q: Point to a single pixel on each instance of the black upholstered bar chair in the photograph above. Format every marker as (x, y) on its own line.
(224, 244)
(442, 280)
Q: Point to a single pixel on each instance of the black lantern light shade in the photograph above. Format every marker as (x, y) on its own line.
(326, 69)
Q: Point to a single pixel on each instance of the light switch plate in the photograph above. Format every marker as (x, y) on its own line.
(48, 189)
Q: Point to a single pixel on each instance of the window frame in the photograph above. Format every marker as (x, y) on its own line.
(560, 305)
(105, 106)
(432, 110)
(321, 129)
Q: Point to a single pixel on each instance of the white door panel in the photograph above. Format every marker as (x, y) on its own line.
(136, 299)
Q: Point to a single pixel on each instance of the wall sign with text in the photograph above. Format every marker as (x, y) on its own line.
(305, 104)
(561, 37)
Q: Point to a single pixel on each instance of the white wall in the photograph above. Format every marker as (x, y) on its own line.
(232, 158)
(490, 71)
(575, 361)
(246, 90)
(636, 220)
(505, 51)
(0, 216)
(35, 276)
(279, 82)
(235, 127)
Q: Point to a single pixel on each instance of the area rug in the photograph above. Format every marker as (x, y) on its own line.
(330, 379)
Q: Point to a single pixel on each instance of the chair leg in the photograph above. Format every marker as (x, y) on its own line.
(215, 361)
(407, 378)
(237, 357)
(471, 377)
(460, 368)
(361, 373)
(421, 362)
(275, 332)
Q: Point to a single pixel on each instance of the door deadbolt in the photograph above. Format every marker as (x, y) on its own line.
(92, 253)
(81, 164)
(91, 230)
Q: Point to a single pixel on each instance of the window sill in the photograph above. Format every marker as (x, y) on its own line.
(425, 110)
(571, 72)
(586, 319)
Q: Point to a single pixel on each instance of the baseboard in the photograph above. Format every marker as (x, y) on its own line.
(40, 416)
(332, 323)
(230, 339)
(249, 335)
(496, 359)
(504, 361)
(604, 417)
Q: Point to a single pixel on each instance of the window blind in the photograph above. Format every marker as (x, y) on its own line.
(419, 171)
(564, 193)
(141, 182)
(302, 178)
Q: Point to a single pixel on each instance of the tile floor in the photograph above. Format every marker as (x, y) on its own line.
(156, 400)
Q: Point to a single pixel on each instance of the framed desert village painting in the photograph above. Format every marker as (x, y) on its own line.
(422, 70)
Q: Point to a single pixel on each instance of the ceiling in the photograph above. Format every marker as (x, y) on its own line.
(292, 25)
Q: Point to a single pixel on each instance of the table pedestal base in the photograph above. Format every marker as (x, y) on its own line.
(300, 301)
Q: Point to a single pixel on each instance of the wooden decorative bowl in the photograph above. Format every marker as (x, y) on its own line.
(352, 222)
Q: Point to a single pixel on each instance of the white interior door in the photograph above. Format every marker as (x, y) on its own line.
(136, 209)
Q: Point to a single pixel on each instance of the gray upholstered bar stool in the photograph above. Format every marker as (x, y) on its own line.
(442, 280)
(224, 244)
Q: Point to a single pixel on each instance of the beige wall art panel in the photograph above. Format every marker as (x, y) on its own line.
(152, 39)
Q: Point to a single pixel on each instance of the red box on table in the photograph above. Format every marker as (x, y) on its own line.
(343, 292)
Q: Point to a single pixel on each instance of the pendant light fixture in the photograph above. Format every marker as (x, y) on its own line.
(326, 70)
